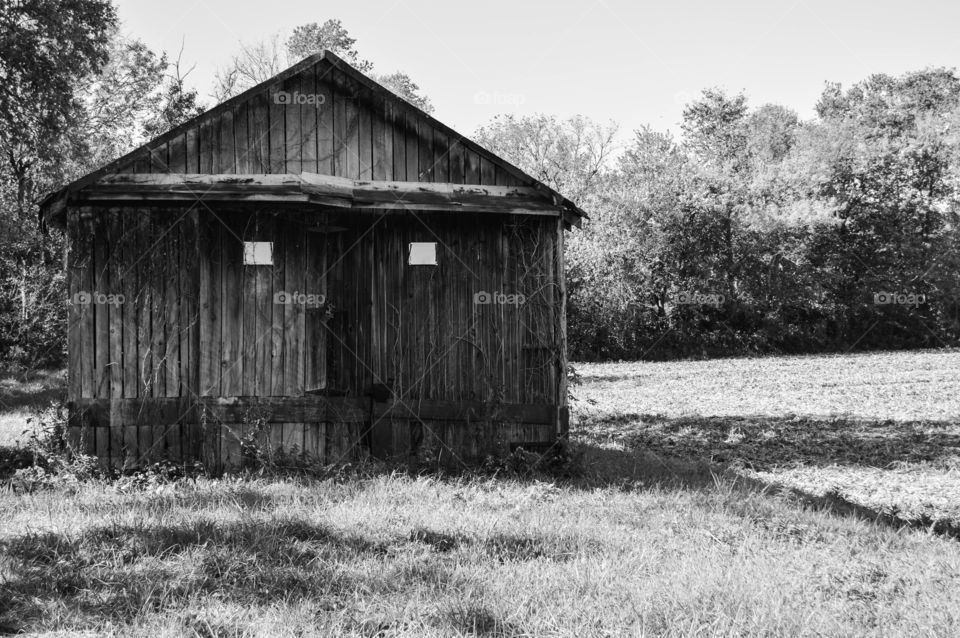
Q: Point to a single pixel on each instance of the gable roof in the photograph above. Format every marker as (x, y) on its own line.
(320, 116)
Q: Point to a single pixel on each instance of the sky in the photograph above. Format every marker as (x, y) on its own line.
(630, 61)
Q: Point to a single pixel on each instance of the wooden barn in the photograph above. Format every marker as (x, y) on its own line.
(314, 266)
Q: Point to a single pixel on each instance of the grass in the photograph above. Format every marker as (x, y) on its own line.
(656, 539)
(880, 431)
(21, 396)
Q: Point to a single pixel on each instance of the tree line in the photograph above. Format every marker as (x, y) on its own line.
(756, 231)
(753, 232)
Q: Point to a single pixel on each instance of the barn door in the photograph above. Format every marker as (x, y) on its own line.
(317, 313)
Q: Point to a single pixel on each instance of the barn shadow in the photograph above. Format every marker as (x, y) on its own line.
(695, 452)
(763, 442)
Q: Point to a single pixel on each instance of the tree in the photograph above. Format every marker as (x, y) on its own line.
(46, 48)
(569, 155)
(713, 127)
(261, 61)
(256, 63)
(178, 104)
(312, 38)
(401, 84)
(102, 109)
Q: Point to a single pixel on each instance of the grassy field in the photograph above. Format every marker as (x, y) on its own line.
(699, 515)
(880, 431)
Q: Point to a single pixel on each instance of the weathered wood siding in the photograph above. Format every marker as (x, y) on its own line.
(342, 127)
(199, 352)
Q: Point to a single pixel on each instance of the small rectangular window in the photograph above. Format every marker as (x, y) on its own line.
(423, 253)
(258, 253)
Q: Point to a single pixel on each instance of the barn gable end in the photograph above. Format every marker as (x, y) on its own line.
(321, 117)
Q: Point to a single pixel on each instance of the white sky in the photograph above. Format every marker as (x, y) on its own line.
(635, 62)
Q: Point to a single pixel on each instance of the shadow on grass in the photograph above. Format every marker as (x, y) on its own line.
(36, 390)
(763, 442)
(117, 573)
(694, 452)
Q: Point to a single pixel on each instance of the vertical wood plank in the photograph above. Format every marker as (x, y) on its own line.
(351, 119)
(326, 144)
(427, 157)
(210, 326)
(131, 446)
(292, 438)
(291, 114)
(209, 131)
(187, 297)
(315, 350)
(190, 285)
(192, 150)
(398, 132)
(456, 162)
(226, 161)
(172, 297)
(312, 450)
(276, 112)
(412, 145)
(115, 310)
(339, 126)
(130, 227)
(85, 249)
(276, 437)
(230, 447)
(308, 121)
(250, 318)
(293, 312)
(101, 309)
(471, 167)
(178, 154)
(365, 134)
(232, 359)
(193, 433)
(487, 172)
(259, 133)
(441, 157)
(241, 135)
(501, 178)
(263, 303)
(382, 140)
(158, 159)
(275, 386)
(146, 453)
(156, 261)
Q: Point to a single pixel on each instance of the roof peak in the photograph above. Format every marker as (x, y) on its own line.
(173, 150)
